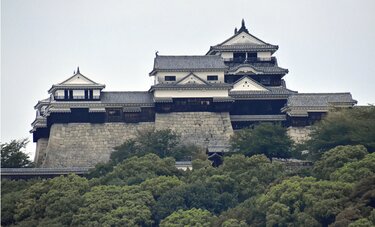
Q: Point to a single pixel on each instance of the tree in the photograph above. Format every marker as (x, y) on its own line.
(265, 138)
(192, 217)
(304, 202)
(163, 143)
(360, 205)
(135, 170)
(12, 155)
(344, 127)
(336, 158)
(204, 195)
(111, 205)
(52, 202)
(354, 171)
(11, 193)
(251, 174)
(160, 185)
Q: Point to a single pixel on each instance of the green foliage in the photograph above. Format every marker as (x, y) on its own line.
(192, 217)
(363, 222)
(336, 158)
(234, 222)
(164, 143)
(138, 169)
(195, 195)
(53, 201)
(146, 190)
(100, 169)
(251, 174)
(115, 206)
(217, 189)
(160, 185)
(12, 155)
(265, 138)
(344, 127)
(245, 212)
(306, 200)
(354, 171)
(11, 193)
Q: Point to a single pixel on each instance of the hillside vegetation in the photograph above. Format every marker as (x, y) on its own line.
(140, 186)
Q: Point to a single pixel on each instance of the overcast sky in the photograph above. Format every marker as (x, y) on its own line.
(328, 46)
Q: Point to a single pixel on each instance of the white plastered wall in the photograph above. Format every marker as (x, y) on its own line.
(78, 79)
(190, 93)
(227, 55)
(179, 75)
(79, 94)
(96, 92)
(243, 38)
(264, 55)
(59, 93)
(247, 85)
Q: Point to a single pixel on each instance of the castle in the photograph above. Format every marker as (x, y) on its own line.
(203, 98)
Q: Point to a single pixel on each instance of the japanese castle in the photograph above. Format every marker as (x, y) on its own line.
(239, 76)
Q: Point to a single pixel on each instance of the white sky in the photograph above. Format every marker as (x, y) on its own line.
(328, 46)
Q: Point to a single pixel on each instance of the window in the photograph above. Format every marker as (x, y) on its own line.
(89, 94)
(212, 77)
(170, 78)
(239, 57)
(252, 55)
(68, 94)
(114, 114)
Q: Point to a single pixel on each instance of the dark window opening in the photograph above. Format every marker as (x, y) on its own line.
(239, 57)
(114, 115)
(212, 77)
(70, 94)
(170, 78)
(252, 55)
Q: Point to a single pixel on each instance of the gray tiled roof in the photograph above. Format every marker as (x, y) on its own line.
(131, 97)
(319, 99)
(279, 117)
(244, 47)
(274, 90)
(188, 62)
(264, 69)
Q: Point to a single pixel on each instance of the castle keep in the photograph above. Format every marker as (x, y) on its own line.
(203, 98)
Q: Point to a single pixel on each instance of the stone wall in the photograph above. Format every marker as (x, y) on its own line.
(40, 152)
(299, 134)
(199, 128)
(85, 144)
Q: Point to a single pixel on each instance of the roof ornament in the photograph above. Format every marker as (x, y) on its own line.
(243, 27)
(157, 53)
(78, 70)
(235, 30)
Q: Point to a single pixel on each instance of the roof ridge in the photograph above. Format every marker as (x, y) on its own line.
(188, 56)
(124, 91)
(324, 93)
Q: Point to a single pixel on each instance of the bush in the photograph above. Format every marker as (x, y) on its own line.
(265, 138)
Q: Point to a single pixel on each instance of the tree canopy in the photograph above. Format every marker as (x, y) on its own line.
(12, 155)
(192, 217)
(336, 158)
(265, 138)
(354, 126)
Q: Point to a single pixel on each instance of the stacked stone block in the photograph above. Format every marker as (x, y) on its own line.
(299, 134)
(85, 144)
(204, 129)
